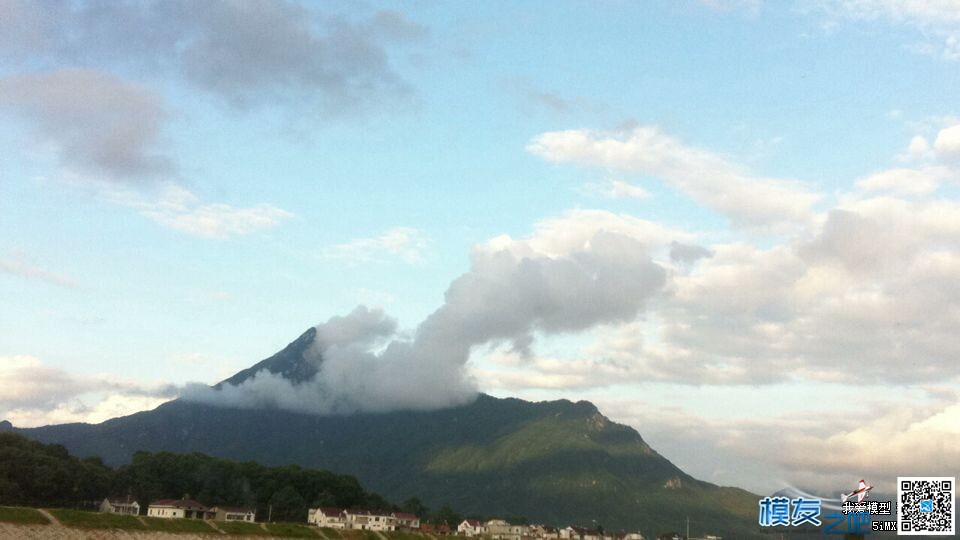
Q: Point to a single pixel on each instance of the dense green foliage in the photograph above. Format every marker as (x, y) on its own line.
(37, 474)
(290, 490)
(22, 516)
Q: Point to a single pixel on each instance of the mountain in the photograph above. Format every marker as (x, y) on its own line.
(556, 462)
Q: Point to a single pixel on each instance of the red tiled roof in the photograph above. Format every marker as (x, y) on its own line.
(188, 504)
(404, 515)
(330, 511)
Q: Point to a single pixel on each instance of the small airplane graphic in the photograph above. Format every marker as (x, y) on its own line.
(861, 492)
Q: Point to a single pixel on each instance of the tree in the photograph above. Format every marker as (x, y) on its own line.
(447, 515)
(288, 505)
(324, 498)
(414, 506)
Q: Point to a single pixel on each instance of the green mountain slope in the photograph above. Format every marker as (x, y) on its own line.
(556, 462)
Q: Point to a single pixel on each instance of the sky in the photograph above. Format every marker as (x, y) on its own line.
(733, 225)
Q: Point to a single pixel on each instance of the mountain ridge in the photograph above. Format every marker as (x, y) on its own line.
(559, 462)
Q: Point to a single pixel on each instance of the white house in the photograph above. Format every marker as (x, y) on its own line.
(120, 506)
(327, 517)
(470, 527)
(544, 532)
(580, 533)
(367, 520)
(179, 509)
(404, 520)
(499, 529)
(234, 513)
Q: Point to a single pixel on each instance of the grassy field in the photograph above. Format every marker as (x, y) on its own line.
(330, 533)
(21, 515)
(240, 527)
(292, 530)
(403, 535)
(95, 520)
(179, 525)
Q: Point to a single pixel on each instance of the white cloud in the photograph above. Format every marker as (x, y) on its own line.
(17, 265)
(951, 47)
(404, 243)
(860, 286)
(179, 209)
(710, 179)
(876, 435)
(616, 189)
(933, 18)
(918, 149)
(917, 12)
(947, 144)
(905, 181)
(33, 393)
(573, 273)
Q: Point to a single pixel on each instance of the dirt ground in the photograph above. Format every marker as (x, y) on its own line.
(59, 532)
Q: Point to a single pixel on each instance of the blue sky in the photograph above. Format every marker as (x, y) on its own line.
(182, 196)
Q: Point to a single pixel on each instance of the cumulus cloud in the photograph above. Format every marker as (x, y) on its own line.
(859, 287)
(404, 243)
(947, 144)
(572, 274)
(919, 148)
(687, 253)
(32, 393)
(248, 53)
(17, 265)
(710, 179)
(95, 121)
(882, 437)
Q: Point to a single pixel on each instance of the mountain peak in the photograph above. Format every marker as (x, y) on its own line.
(290, 362)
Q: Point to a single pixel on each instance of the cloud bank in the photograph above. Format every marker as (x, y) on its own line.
(253, 53)
(710, 179)
(97, 123)
(563, 279)
(32, 393)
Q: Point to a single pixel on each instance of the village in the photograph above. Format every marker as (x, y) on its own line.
(379, 521)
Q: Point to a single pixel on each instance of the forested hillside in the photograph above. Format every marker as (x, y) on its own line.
(36, 474)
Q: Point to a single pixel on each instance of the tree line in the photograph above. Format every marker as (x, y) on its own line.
(46, 475)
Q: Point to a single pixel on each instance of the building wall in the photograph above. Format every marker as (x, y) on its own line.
(319, 519)
(109, 507)
(370, 523)
(165, 512)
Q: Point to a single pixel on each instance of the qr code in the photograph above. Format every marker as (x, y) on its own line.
(925, 505)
